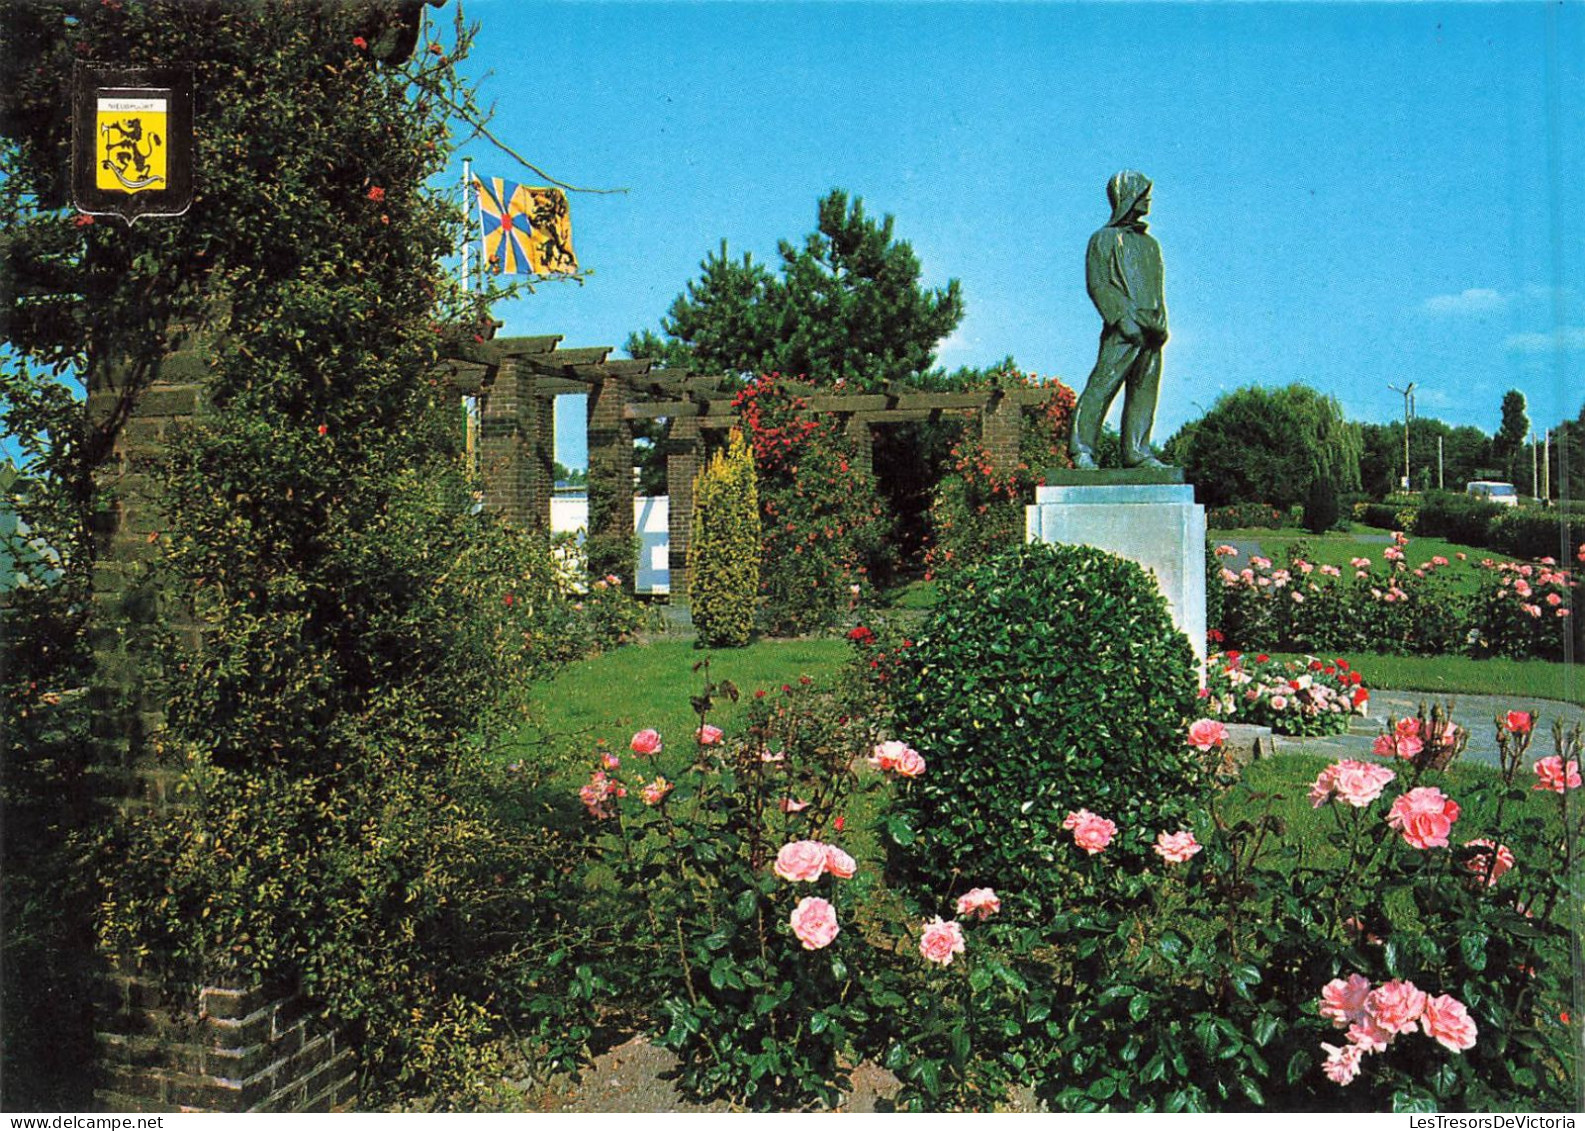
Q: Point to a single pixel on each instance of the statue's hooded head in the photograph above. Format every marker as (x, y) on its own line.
(1129, 193)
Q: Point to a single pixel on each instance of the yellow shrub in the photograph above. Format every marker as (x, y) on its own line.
(724, 557)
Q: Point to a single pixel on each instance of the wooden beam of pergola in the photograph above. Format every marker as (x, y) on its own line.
(555, 386)
(560, 359)
(622, 368)
(526, 347)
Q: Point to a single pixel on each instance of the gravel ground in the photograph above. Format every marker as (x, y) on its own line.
(634, 1077)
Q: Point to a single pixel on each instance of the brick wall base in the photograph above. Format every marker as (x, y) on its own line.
(228, 1051)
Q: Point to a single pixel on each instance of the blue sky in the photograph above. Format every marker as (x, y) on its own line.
(1348, 195)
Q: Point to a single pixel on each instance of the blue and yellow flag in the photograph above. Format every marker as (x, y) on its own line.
(527, 231)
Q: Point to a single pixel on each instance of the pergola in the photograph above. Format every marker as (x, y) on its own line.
(518, 379)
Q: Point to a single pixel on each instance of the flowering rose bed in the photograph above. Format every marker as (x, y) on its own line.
(1298, 697)
(1516, 609)
(1413, 956)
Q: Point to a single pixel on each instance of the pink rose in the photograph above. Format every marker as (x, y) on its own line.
(1396, 1006)
(1205, 734)
(1368, 1035)
(1090, 832)
(1342, 1064)
(1494, 858)
(1343, 1003)
(1424, 816)
(1403, 743)
(814, 921)
(910, 763)
(1553, 775)
(655, 792)
(1518, 722)
(1358, 783)
(793, 805)
(885, 755)
(1176, 848)
(646, 742)
(839, 863)
(979, 902)
(941, 941)
(610, 761)
(709, 735)
(1446, 1021)
(802, 861)
(596, 795)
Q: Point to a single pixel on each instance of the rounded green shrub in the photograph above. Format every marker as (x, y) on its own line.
(724, 559)
(1049, 679)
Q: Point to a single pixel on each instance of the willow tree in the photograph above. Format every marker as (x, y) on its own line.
(1263, 445)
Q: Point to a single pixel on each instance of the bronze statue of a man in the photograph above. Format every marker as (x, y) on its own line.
(1123, 274)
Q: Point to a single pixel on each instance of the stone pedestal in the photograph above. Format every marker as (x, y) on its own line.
(1156, 524)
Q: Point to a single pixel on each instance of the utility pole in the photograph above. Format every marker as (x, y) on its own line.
(1546, 466)
(1535, 475)
(1439, 485)
(1408, 412)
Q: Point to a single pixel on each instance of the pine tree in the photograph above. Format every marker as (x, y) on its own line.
(847, 307)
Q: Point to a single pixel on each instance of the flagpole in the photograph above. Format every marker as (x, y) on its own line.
(467, 232)
(470, 405)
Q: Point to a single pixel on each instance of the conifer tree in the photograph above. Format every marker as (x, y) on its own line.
(724, 559)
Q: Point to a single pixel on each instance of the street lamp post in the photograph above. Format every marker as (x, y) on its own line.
(1408, 411)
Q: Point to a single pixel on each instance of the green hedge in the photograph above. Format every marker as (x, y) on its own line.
(1458, 518)
(1533, 532)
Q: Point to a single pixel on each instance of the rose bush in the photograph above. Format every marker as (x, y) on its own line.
(1410, 951)
(1413, 970)
(822, 523)
(1515, 609)
(1307, 697)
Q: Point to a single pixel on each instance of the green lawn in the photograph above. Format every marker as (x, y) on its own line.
(615, 694)
(1521, 680)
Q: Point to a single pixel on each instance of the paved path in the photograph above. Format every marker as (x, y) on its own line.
(1472, 712)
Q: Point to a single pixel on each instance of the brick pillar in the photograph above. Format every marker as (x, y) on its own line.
(221, 1049)
(128, 606)
(508, 439)
(683, 451)
(1001, 422)
(857, 430)
(544, 485)
(610, 481)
